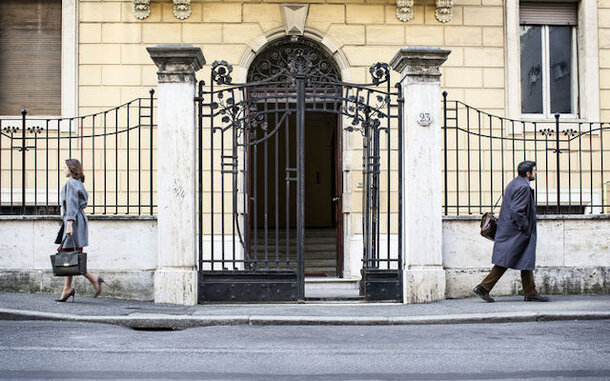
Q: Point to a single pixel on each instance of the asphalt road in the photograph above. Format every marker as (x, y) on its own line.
(547, 350)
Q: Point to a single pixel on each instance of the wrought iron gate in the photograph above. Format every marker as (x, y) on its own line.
(251, 160)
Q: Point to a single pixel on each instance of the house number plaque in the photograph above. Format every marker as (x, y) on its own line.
(424, 119)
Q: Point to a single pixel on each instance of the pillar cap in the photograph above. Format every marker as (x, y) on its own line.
(419, 60)
(176, 63)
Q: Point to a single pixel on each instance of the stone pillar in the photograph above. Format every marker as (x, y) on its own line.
(423, 273)
(176, 275)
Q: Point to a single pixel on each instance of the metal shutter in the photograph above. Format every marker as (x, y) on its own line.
(30, 57)
(548, 13)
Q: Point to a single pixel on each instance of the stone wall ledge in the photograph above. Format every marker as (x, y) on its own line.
(96, 217)
(547, 217)
(551, 280)
(119, 284)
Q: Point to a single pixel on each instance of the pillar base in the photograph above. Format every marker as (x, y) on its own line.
(424, 284)
(176, 286)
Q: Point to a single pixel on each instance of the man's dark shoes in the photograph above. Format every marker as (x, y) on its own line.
(536, 298)
(480, 291)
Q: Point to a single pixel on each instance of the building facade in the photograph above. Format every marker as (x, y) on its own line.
(512, 67)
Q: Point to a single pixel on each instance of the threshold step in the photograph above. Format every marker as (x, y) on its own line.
(332, 299)
(330, 284)
(332, 294)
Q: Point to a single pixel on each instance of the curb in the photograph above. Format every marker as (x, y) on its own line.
(178, 322)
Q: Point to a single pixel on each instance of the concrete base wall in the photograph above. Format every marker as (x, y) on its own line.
(573, 256)
(123, 251)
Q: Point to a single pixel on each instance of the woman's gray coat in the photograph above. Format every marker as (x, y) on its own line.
(74, 198)
(515, 242)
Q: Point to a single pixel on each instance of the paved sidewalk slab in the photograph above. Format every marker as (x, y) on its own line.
(148, 315)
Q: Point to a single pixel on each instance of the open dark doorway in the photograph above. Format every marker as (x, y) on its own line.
(276, 210)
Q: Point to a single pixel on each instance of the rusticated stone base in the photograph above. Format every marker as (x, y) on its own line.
(128, 285)
(176, 286)
(424, 284)
(549, 280)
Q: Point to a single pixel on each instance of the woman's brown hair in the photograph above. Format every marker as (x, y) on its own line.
(76, 169)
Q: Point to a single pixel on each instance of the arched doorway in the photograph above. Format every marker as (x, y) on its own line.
(273, 172)
(275, 216)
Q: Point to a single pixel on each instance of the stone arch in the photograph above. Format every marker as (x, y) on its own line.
(274, 57)
(328, 44)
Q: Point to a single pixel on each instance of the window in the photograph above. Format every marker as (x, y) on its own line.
(30, 56)
(548, 51)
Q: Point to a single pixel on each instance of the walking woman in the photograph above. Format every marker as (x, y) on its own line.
(74, 198)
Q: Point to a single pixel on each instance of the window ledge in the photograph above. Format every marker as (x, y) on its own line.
(562, 119)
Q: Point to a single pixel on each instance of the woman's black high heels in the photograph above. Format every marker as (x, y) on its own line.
(70, 294)
(99, 287)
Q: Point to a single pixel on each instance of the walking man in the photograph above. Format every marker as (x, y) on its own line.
(515, 241)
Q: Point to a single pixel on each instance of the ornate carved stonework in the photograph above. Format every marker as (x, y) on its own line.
(286, 55)
(182, 9)
(404, 10)
(444, 10)
(176, 63)
(420, 63)
(141, 9)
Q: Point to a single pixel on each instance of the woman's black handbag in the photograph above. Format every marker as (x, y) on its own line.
(69, 263)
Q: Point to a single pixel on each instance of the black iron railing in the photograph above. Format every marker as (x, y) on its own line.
(482, 151)
(115, 146)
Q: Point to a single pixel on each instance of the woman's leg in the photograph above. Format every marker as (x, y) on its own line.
(67, 286)
(93, 280)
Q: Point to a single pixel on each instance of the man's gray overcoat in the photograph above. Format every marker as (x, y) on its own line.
(74, 199)
(515, 242)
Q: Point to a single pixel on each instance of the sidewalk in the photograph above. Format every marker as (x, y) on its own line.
(147, 315)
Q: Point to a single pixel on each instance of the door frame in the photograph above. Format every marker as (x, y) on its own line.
(338, 195)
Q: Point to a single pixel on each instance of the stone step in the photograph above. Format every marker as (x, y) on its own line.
(332, 289)
(293, 240)
(282, 248)
(320, 269)
(309, 233)
(309, 265)
(331, 283)
(293, 257)
(330, 262)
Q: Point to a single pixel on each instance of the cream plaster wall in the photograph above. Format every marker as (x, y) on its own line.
(114, 66)
(604, 58)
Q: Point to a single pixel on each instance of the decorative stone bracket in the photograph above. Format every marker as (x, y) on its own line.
(404, 9)
(141, 9)
(444, 10)
(182, 9)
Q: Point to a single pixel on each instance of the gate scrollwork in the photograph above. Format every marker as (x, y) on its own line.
(256, 164)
